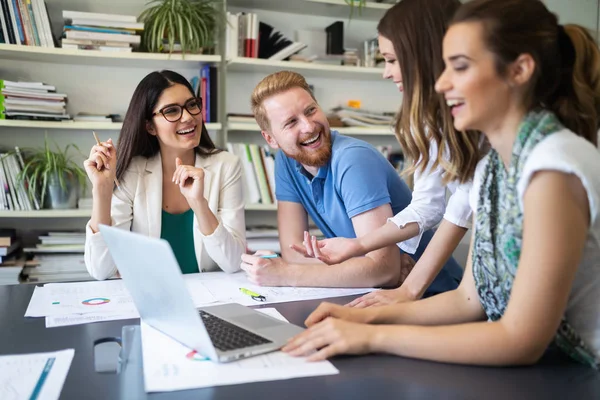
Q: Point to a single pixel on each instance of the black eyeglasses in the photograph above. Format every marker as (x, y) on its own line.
(174, 112)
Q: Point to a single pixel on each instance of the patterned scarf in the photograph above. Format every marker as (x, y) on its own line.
(499, 231)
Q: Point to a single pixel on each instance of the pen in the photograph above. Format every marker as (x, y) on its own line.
(254, 295)
(269, 256)
(98, 142)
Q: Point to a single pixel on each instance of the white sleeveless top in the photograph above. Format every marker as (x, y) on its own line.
(564, 151)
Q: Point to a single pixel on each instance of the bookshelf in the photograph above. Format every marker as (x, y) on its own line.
(104, 59)
(103, 82)
(351, 131)
(330, 8)
(261, 207)
(78, 213)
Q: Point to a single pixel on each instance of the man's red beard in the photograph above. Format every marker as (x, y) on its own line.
(316, 158)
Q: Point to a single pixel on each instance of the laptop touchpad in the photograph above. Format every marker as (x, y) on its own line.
(256, 321)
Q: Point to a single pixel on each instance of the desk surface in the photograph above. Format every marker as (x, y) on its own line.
(359, 378)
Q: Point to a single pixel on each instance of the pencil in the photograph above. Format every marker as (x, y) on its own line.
(98, 142)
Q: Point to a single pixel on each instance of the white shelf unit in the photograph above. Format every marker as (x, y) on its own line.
(100, 58)
(77, 213)
(133, 64)
(261, 207)
(330, 8)
(259, 65)
(351, 131)
(98, 126)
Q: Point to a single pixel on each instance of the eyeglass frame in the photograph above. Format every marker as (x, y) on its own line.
(161, 111)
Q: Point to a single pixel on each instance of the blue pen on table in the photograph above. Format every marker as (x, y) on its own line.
(269, 256)
(254, 295)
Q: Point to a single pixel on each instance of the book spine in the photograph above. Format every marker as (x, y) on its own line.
(46, 24)
(3, 24)
(251, 178)
(11, 190)
(19, 185)
(13, 23)
(30, 192)
(34, 25)
(260, 173)
(19, 21)
(26, 23)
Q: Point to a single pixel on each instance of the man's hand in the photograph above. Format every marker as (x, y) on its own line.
(266, 271)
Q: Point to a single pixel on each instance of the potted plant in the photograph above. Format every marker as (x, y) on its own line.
(358, 3)
(191, 24)
(53, 176)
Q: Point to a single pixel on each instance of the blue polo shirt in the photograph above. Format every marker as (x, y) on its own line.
(356, 179)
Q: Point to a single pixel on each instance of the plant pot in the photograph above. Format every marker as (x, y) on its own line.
(59, 198)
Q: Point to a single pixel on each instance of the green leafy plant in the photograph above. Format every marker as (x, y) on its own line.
(191, 23)
(43, 165)
(355, 3)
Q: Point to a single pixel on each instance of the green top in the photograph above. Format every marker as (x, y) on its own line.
(178, 230)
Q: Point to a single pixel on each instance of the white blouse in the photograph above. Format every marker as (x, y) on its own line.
(566, 152)
(428, 204)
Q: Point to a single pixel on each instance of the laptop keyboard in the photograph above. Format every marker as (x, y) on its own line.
(226, 336)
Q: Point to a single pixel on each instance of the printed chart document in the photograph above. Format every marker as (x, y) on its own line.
(226, 289)
(68, 299)
(39, 376)
(169, 365)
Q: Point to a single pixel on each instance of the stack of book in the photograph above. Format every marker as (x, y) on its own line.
(10, 265)
(359, 117)
(25, 22)
(31, 100)
(58, 258)
(102, 32)
(13, 193)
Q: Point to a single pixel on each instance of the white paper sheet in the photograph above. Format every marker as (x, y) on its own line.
(170, 366)
(60, 299)
(79, 319)
(38, 376)
(226, 289)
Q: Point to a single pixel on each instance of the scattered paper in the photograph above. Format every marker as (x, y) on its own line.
(69, 299)
(34, 376)
(78, 319)
(226, 289)
(169, 366)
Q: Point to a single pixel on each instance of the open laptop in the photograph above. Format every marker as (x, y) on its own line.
(221, 333)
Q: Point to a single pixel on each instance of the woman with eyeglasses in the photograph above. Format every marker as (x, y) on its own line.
(174, 183)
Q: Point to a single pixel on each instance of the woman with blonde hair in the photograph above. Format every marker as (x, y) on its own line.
(410, 40)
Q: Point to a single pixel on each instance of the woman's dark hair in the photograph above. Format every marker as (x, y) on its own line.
(416, 29)
(134, 139)
(566, 79)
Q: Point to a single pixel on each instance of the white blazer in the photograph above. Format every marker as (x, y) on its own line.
(138, 205)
